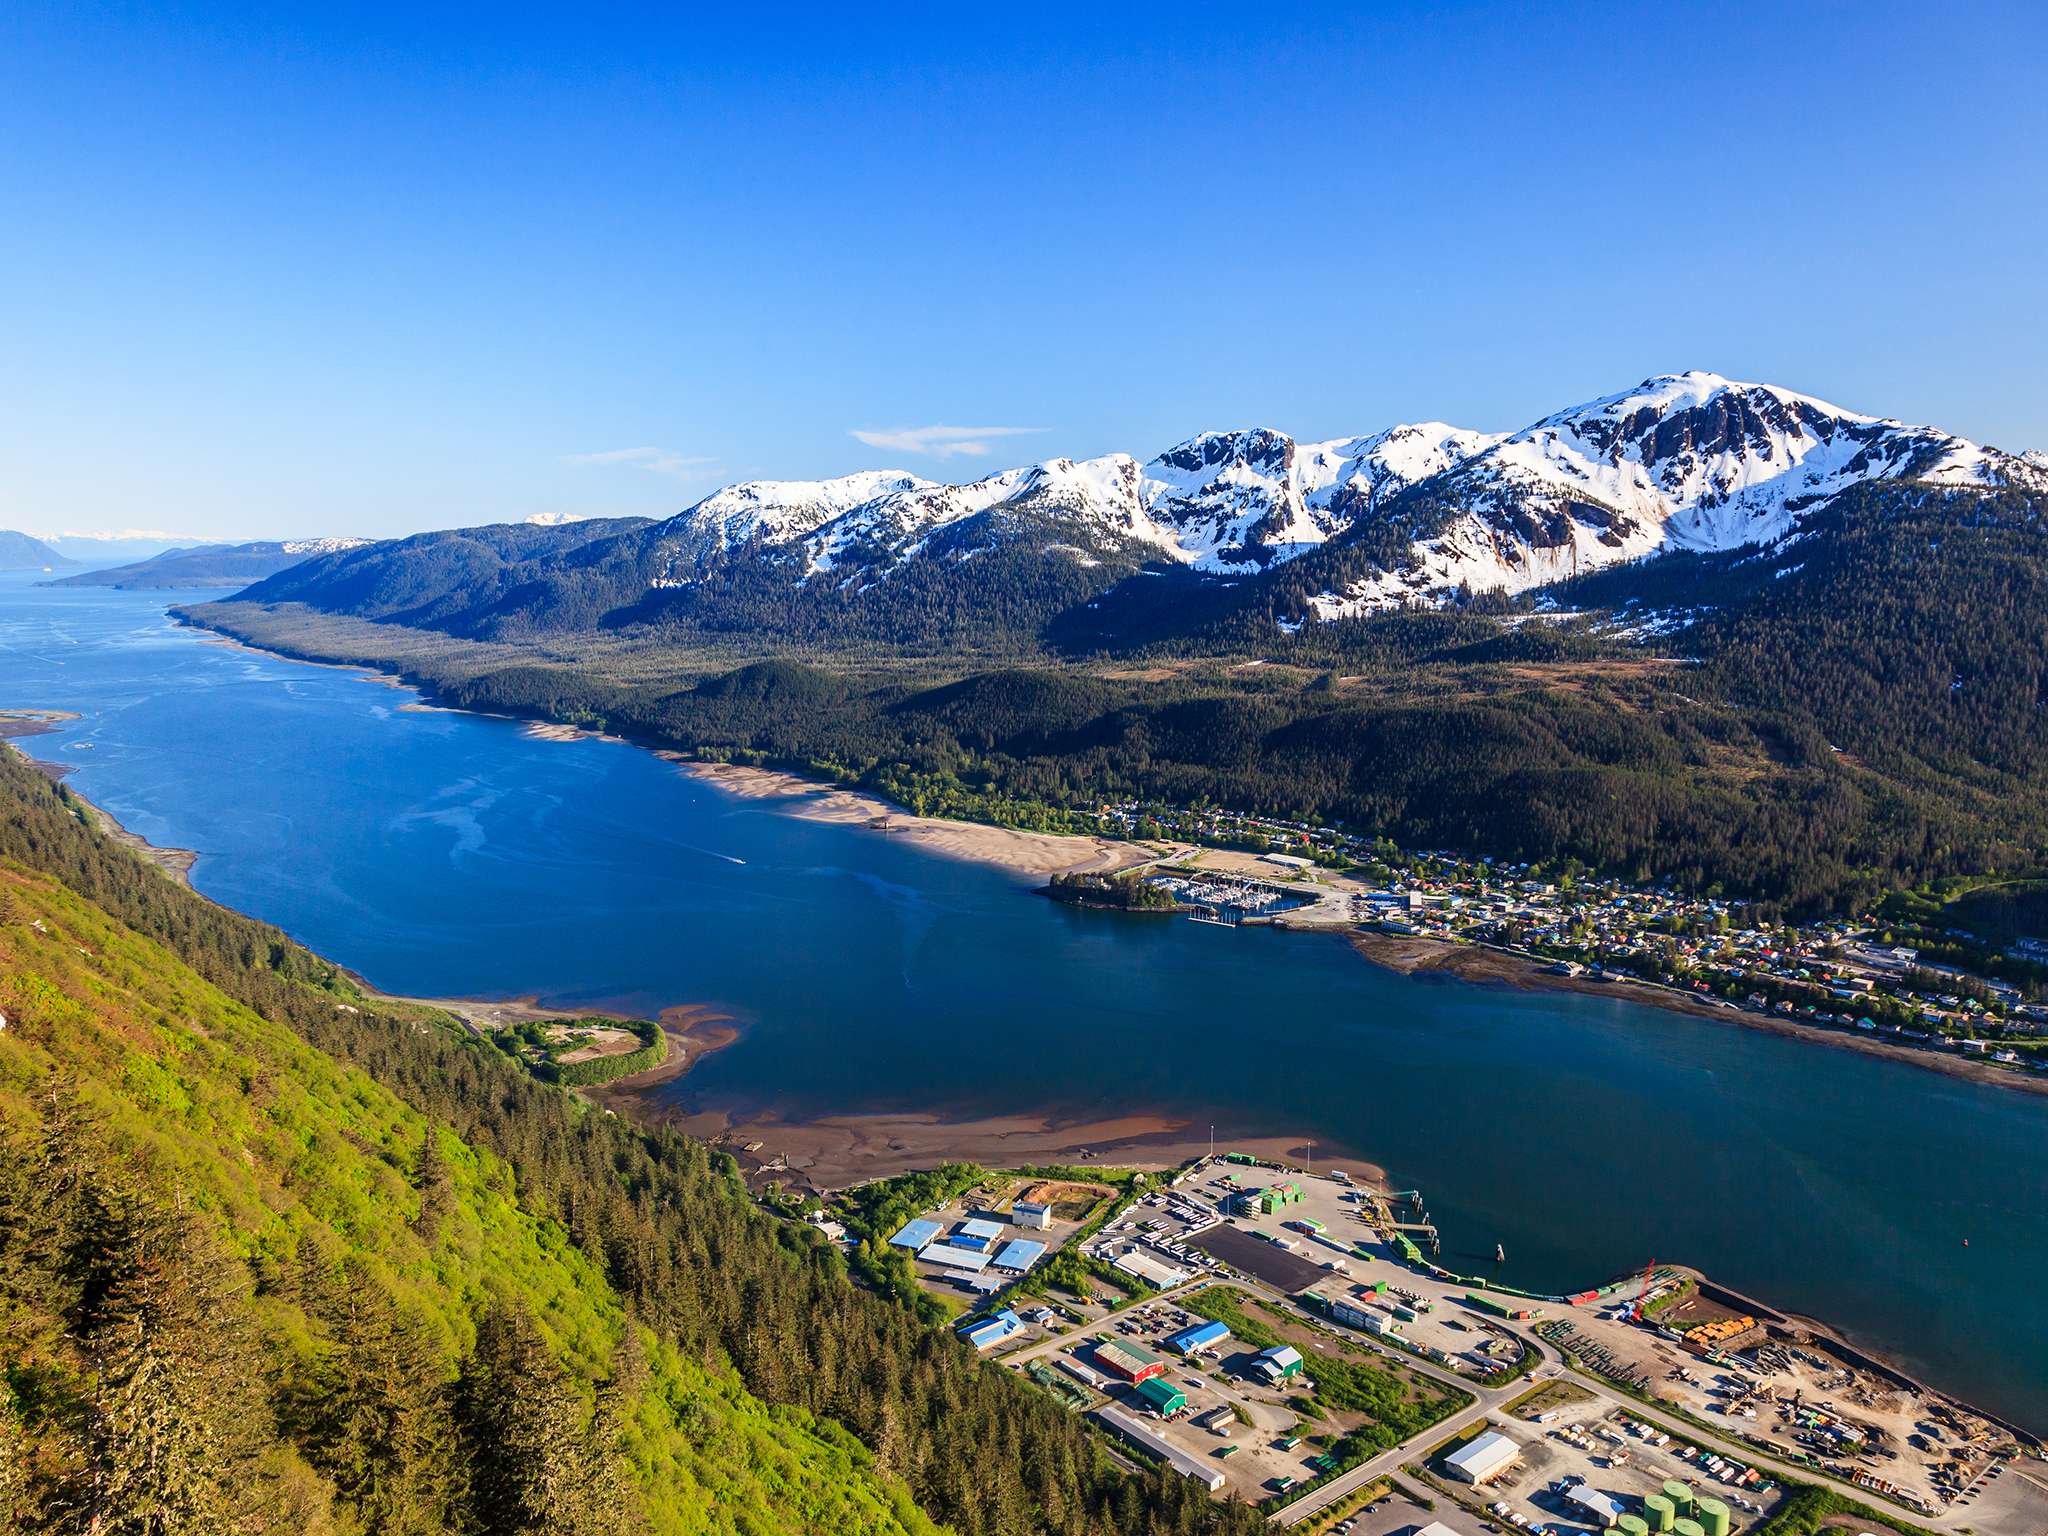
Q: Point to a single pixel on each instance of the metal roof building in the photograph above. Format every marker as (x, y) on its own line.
(992, 1330)
(1279, 1362)
(1133, 1362)
(1165, 1398)
(1488, 1456)
(978, 1230)
(1019, 1254)
(1134, 1431)
(914, 1234)
(1153, 1272)
(1031, 1213)
(1595, 1503)
(1192, 1341)
(952, 1256)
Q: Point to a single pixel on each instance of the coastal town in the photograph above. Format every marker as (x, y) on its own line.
(1904, 977)
(1281, 1335)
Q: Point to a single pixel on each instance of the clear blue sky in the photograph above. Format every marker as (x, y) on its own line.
(390, 268)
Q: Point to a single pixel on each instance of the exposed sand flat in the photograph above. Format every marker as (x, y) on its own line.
(1031, 853)
(834, 1151)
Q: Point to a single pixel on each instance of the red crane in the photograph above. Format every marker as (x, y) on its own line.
(1642, 1292)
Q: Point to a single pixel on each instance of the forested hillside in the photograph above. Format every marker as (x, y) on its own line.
(271, 1260)
(1847, 711)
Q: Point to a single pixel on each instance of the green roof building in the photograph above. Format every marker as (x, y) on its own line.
(1162, 1396)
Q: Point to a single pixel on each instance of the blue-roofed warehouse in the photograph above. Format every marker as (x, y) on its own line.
(915, 1234)
(993, 1330)
(1019, 1254)
(977, 1233)
(1203, 1336)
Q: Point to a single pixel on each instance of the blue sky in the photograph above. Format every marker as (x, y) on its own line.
(384, 269)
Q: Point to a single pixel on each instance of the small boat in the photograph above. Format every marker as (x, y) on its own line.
(1500, 1253)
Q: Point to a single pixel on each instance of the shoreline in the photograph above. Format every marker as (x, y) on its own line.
(832, 1151)
(1484, 965)
(175, 863)
(1043, 854)
(1011, 848)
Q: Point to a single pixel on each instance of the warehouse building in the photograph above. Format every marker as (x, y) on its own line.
(1603, 1510)
(1162, 1396)
(993, 1330)
(1031, 1213)
(1134, 1432)
(914, 1234)
(1479, 1460)
(1199, 1339)
(1018, 1255)
(953, 1256)
(1156, 1273)
(1278, 1364)
(978, 1233)
(1133, 1362)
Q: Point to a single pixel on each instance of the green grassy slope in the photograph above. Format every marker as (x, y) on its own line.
(284, 1160)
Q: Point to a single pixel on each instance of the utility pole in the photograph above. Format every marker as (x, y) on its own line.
(1212, 1143)
(1311, 1159)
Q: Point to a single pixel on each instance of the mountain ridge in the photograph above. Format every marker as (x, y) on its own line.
(1414, 514)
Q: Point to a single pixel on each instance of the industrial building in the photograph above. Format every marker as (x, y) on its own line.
(978, 1233)
(1199, 1339)
(992, 1331)
(1135, 1432)
(1278, 1364)
(953, 1256)
(1031, 1213)
(1162, 1396)
(1487, 1457)
(1018, 1255)
(1133, 1362)
(914, 1234)
(1603, 1510)
(1156, 1273)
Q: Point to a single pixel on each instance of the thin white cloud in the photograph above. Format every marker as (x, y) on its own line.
(125, 535)
(656, 461)
(941, 442)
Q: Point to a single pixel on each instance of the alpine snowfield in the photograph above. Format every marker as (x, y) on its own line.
(1681, 461)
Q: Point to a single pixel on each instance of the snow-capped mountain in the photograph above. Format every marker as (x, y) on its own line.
(1222, 503)
(1346, 526)
(1682, 461)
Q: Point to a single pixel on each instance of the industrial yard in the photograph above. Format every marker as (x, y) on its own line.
(1282, 1335)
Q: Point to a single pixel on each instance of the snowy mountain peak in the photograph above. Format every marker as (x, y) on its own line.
(1681, 461)
(1688, 460)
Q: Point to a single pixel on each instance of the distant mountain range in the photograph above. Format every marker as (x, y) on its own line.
(1415, 514)
(211, 565)
(22, 552)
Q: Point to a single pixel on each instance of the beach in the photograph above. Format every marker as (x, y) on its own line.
(1026, 853)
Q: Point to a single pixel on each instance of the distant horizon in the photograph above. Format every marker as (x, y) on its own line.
(379, 272)
(947, 471)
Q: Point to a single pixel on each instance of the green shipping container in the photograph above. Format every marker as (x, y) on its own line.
(1680, 1496)
(1713, 1517)
(1658, 1510)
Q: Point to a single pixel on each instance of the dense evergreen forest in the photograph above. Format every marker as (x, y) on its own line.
(1859, 710)
(272, 1259)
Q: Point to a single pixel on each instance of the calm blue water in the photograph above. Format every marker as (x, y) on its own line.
(447, 854)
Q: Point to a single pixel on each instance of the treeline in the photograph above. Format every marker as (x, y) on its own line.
(666, 1223)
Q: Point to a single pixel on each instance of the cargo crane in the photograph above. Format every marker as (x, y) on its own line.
(1635, 1313)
